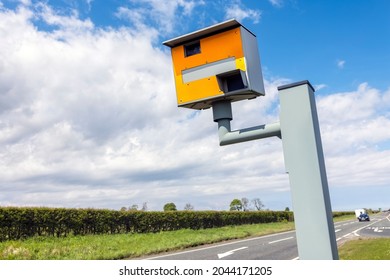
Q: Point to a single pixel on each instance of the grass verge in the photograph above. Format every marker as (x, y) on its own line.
(108, 247)
(366, 249)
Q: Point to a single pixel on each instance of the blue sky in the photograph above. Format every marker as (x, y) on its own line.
(89, 116)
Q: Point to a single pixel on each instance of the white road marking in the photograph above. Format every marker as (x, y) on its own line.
(377, 229)
(220, 256)
(355, 232)
(337, 230)
(348, 223)
(280, 240)
(219, 245)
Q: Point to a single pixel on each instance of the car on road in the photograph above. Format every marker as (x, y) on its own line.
(363, 217)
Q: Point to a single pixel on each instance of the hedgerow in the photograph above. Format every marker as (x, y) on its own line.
(24, 222)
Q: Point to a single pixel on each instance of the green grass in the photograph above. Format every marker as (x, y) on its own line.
(107, 247)
(366, 249)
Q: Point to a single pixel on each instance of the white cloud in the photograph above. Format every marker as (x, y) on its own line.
(340, 63)
(319, 87)
(276, 3)
(72, 22)
(89, 3)
(240, 12)
(88, 119)
(354, 126)
(166, 15)
(64, 100)
(350, 107)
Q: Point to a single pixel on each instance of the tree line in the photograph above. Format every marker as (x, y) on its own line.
(170, 206)
(243, 204)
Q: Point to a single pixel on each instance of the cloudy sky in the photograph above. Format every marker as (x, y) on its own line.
(88, 114)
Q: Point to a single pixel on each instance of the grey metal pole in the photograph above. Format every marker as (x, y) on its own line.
(305, 165)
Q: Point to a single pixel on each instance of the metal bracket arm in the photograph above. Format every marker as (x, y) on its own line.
(223, 115)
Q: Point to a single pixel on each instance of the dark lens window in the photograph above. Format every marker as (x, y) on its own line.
(234, 82)
(192, 49)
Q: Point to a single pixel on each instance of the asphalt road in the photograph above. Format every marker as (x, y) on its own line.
(280, 246)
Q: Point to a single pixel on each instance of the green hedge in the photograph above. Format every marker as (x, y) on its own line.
(24, 222)
(342, 213)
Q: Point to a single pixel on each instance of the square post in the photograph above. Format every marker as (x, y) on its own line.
(304, 161)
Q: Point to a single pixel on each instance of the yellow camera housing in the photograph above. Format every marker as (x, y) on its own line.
(220, 62)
